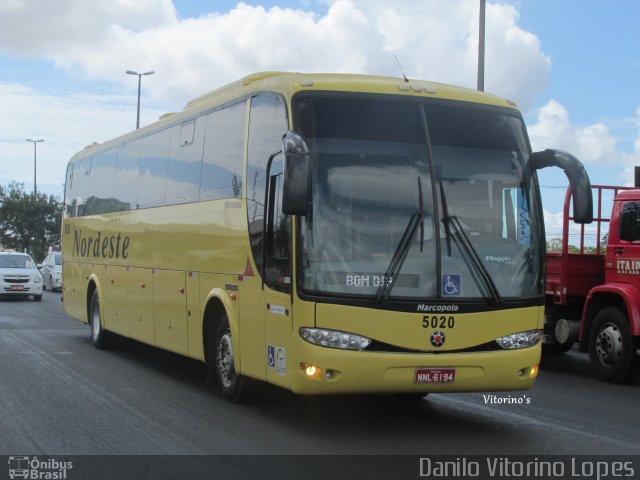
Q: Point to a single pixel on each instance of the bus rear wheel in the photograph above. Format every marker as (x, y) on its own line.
(99, 336)
(221, 363)
(611, 347)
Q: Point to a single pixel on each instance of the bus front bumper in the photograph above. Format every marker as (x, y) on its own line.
(320, 370)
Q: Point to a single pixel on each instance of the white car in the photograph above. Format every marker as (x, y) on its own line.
(52, 271)
(19, 276)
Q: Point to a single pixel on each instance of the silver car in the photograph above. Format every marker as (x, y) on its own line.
(52, 271)
(19, 276)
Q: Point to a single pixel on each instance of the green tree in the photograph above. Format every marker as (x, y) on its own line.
(28, 223)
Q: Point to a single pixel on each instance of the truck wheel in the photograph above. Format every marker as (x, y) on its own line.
(560, 337)
(221, 363)
(99, 336)
(611, 350)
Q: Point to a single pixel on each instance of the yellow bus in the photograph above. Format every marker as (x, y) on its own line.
(326, 233)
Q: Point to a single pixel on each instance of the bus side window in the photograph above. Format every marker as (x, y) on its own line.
(276, 238)
(86, 186)
(154, 159)
(127, 171)
(267, 124)
(70, 191)
(223, 153)
(185, 162)
(104, 170)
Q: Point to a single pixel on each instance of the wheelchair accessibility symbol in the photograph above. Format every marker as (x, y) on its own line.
(450, 285)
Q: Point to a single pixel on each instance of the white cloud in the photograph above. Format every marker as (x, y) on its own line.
(38, 27)
(434, 40)
(593, 144)
(66, 123)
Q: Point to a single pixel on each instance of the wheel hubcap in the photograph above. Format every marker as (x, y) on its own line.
(95, 322)
(224, 355)
(609, 344)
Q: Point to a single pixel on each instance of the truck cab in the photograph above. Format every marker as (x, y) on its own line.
(593, 294)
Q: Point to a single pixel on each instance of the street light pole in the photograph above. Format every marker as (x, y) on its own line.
(481, 47)
(131, 72)
(35, 156)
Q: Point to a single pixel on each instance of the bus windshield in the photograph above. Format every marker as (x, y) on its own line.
(417, 200)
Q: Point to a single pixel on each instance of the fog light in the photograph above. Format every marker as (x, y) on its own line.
(310, 371)
(534, 371)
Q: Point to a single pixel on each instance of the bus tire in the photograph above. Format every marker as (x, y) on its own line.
(222, 363)
(99, 336)
(611, 347)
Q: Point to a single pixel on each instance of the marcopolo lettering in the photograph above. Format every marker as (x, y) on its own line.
(101, 245)
(437, 308)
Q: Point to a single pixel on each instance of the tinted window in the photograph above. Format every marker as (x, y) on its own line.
(126, 191)
(104, 171)
(154, 160)
(85, 186)
(223, 151)
(267, 124)
(185, 162)
(277, 236)
(70, 191)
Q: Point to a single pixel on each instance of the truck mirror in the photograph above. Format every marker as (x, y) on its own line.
(297, 175)
(578, 179)
(629, 228)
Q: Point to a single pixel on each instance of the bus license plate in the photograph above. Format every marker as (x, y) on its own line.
(435, 375)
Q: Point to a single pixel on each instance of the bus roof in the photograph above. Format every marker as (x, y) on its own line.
(290, 83)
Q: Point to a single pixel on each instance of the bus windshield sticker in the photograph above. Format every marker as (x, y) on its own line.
(281, 361)
(451, 285)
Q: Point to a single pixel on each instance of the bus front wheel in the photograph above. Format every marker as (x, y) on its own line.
(222, 363)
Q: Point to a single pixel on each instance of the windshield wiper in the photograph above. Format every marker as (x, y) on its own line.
(461, 239)
(400, 255)
(464, 244)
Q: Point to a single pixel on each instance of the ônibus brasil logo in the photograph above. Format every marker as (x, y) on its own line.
(34, 468)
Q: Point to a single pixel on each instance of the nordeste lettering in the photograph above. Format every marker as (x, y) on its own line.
(101, 245)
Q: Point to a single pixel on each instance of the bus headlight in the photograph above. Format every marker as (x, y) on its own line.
(520, 340)
(334, 339)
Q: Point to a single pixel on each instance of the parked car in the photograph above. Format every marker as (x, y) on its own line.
(52, 271)
(19, 276)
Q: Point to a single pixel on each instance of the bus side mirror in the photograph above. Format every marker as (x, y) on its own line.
(629, 224)
(578, 179)
(297, 175)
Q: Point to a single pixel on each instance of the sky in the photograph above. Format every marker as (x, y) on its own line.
(572, 66)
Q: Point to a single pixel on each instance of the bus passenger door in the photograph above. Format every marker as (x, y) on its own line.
(276, 295)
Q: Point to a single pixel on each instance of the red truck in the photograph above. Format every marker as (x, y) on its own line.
(593, 293)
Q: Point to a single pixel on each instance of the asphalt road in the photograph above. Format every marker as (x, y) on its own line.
(61, 396)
